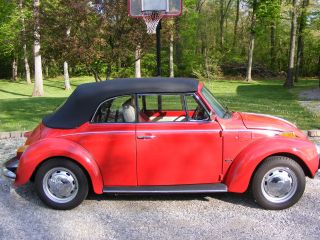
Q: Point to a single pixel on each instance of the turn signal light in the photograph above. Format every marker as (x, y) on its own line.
(21, 150)
(288, 134)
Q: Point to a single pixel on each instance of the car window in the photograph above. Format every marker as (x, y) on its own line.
(116, 110)
(161, 108)
(161, 102)
(195, 110)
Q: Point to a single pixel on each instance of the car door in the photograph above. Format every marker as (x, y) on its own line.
(110, 138)
(173, 147)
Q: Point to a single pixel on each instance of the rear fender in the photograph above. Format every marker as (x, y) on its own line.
(48, 148)
(240, 172)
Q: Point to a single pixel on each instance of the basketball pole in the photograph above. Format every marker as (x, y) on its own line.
(158, 46)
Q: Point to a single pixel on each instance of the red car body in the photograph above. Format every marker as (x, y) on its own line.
(221, 150)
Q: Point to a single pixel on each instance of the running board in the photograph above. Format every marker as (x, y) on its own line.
(197, 188)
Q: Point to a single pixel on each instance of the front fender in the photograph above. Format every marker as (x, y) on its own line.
(44, 149)
(240, 172)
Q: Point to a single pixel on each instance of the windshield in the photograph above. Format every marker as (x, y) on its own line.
(219, 109)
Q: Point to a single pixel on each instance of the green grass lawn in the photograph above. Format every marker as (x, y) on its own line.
(18, 111)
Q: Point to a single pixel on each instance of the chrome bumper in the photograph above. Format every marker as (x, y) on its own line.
(8, 174)
(9, 169)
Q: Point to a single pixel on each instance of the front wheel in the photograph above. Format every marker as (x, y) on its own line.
(61, 184)
(278, 183)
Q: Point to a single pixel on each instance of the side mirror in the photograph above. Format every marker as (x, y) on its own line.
(212, 116)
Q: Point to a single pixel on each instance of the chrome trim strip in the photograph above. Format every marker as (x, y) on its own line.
(166, 131)
(97, 132)
(176, 189)
(142, 131)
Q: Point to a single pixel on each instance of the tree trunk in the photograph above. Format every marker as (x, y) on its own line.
(221, 23)
(236, 24)
(46, 69)
(206, 62)
(38, 79)
(251, 43)
(171, 55)
(108, 71)
(66, 68)
(300, 47)
(14, 70)
(273, 55)
(66, 76)
(138, 62)
(223, 14)
(178, 45)
(319, 70)
(95, 74)
(289, 81)
(24, 43)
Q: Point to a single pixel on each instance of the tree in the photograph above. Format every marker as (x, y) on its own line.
(300, 47)
(24, 43)
(252, 39)
(223, 13)
(138, 62)
(38, 79)
(9, 35)
(66, 68)
(289, 81)
(236, 24)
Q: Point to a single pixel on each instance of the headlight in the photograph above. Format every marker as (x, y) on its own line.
(318, 149)
(288, 134)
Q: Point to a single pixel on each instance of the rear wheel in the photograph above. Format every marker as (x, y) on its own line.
(278, 183)
(61, 184)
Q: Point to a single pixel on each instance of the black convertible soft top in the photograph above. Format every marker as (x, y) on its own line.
(83, 102)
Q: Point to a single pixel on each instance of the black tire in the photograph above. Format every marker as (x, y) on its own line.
(72, 176)
(273, 170)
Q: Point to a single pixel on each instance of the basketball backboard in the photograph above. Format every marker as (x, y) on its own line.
(170, 8)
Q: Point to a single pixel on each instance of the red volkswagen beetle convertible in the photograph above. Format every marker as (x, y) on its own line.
(161, 136)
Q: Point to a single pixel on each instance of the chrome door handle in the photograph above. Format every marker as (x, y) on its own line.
(146, 137)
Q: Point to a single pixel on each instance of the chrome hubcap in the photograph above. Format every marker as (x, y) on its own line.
(60, 185)
(279, 184)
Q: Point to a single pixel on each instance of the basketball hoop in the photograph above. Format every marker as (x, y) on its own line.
(152, 19)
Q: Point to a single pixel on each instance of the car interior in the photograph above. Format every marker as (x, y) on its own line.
(151, 108)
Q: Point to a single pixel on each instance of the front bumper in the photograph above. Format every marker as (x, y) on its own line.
(9, 169)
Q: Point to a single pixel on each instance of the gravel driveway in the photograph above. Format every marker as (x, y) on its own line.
(228, 216)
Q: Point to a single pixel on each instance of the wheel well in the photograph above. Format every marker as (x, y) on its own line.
(291, 156)
(70, 159)
(298, 160)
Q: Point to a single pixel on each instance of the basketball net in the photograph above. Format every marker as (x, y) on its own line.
(152, 19)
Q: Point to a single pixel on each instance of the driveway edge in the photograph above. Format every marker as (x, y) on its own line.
(14, 134)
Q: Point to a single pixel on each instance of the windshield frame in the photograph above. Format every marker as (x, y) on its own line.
(216, 106)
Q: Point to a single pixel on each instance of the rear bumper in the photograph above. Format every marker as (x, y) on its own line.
(9, 169)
